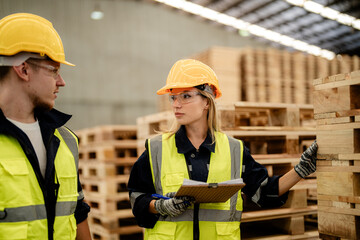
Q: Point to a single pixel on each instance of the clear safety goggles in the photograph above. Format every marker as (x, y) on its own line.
(55, 71)
(184, 97)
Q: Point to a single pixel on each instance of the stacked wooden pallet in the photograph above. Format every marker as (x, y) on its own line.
(107, 154)
(268, 75)
(276, 135)
(337, 112)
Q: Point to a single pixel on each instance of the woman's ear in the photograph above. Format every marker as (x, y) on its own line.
(22, 71)
(207, 104)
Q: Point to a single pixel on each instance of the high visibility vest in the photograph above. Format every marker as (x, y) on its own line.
(169, 168)
(22, 207)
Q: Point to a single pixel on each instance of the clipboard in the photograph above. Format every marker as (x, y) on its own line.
(210, 192)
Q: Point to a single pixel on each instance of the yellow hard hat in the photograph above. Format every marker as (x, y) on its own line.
(25, 32)
(190, 73)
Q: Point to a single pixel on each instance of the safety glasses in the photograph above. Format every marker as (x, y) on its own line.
(183, 97)
(55, 71)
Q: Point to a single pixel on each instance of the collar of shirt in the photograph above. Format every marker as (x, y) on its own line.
(184, 145)
(52, 119)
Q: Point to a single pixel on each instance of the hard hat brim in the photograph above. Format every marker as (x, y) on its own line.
(166, 89)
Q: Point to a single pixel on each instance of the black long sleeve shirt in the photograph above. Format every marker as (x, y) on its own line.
(254, 175)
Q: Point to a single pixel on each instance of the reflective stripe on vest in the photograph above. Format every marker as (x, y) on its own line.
(34, 212)
(208, 212)
(73, 146)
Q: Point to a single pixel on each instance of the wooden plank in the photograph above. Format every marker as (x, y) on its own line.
(338, 183)
(299, 77)
(340, 225)
(309, 235)
(338, 198)
(261, 84)
(338, 139)
(277, 213)
(340, 210)
(337, 84)
(333, 99)
(341, 156)
(287, 79)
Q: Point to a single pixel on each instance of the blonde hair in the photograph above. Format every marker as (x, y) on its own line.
(212, 120)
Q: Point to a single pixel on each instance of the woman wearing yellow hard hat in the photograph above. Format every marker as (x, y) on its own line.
(196, 149)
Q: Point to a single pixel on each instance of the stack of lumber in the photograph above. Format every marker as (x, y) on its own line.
(337, 113)
(276, 135)
(268, 75)
(106, 155)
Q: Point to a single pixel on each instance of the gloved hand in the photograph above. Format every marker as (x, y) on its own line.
(307, 164)
(170, 194)
(174, 206)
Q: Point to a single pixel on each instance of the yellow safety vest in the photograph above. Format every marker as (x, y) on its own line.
(22, 207)
(217, 221)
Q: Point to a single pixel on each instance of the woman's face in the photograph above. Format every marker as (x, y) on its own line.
(189, 105)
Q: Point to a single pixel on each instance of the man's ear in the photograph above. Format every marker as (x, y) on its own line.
(22, 71)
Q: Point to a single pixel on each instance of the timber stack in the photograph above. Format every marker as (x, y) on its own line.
(268, 74)
(106, 155)
(337, 113)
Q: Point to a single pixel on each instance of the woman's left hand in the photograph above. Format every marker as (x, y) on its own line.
(307, 164)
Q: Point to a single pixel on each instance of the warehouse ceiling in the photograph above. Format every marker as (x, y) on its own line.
(295, 21)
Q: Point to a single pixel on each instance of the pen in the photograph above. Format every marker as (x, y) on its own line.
(155, 195)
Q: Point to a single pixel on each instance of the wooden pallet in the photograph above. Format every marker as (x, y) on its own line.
(272, 140)
(107, 204)
(114, 226)
(100, 170)
(337, 110)
(151, 124)
(125, 233)
(113, 220)
(270, 75)
(265, 114)
(124, 150)
(106, 133)
(107, 186)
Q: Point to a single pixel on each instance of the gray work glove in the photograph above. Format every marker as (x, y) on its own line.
(307, 164)
(170, 194)
(174, 206)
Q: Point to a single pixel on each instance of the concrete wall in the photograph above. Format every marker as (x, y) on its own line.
(122, 59)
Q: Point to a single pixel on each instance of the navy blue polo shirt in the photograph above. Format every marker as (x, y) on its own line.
(258, 184)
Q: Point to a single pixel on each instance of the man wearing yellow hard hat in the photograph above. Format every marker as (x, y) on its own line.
(40, 193)
(197, 149)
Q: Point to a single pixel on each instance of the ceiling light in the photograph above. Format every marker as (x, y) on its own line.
(345, 19)
(244, 33)
(296, 2)
(246, 28)
(313, 6)
(327, 12)
(97, 14)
